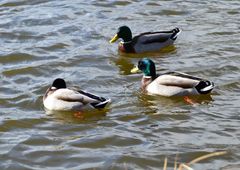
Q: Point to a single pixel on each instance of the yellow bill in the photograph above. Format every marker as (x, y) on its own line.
(135, 70)
(115, 38)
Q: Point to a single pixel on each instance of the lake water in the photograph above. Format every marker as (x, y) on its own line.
(41, 40)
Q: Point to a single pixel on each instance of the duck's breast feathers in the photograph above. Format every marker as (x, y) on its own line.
(127, 47)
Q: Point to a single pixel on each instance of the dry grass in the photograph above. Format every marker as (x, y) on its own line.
(186, 166)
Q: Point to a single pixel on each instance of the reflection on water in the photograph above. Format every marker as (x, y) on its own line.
(161, 53)
(124, 60)
(41, 40)
(77, 117)
(164, 105)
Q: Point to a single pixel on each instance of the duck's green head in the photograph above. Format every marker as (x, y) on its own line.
(146, 66)
(124, 32)
(59, 83)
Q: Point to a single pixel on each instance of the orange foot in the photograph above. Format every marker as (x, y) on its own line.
(188, 100)
(78, 115)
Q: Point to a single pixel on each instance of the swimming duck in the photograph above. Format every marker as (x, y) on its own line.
(60, 98)
(145, 42)
(170, 83)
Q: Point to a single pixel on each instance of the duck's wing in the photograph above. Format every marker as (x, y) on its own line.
(179, 84)
(178, 79)
(183, 75)
(72, 96)
(156, 37)
(185, 81)
(81, 96)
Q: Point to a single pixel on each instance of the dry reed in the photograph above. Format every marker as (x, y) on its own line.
(186, 166)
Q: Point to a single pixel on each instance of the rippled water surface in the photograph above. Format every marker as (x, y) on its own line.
(41, 40)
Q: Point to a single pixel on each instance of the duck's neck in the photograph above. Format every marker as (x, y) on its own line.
(126, 37)
(126, 47)
(48, 92)
(146, 80)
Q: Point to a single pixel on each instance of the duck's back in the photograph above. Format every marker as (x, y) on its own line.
(173, 84)
(147, 42)
(55, 101)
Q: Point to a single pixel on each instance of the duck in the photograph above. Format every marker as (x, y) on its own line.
(59, 97)
(144, 42)
(171, 83)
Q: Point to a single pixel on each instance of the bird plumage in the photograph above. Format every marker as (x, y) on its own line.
(171, 83)
(145, 42)
(59, 97)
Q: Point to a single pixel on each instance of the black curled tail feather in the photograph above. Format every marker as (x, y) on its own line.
(204, 87)
(100, 99)
(101, 105)
(176, 31)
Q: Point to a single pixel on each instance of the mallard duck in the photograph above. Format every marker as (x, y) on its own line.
(170, 83)
(145, 42)
(60, 98)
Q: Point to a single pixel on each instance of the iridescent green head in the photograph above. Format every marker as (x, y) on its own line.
(146, 66)
(123, 32)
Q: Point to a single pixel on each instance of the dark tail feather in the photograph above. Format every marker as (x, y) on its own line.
(176, 32)
(101, 105)
(102, 102)
(204, 87)
(101, 99)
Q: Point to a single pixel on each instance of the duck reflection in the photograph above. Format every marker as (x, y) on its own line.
(180, 105)
(124, 61)
(160, 53)
(77, 116)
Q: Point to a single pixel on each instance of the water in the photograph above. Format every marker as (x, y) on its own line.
(41, 40)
